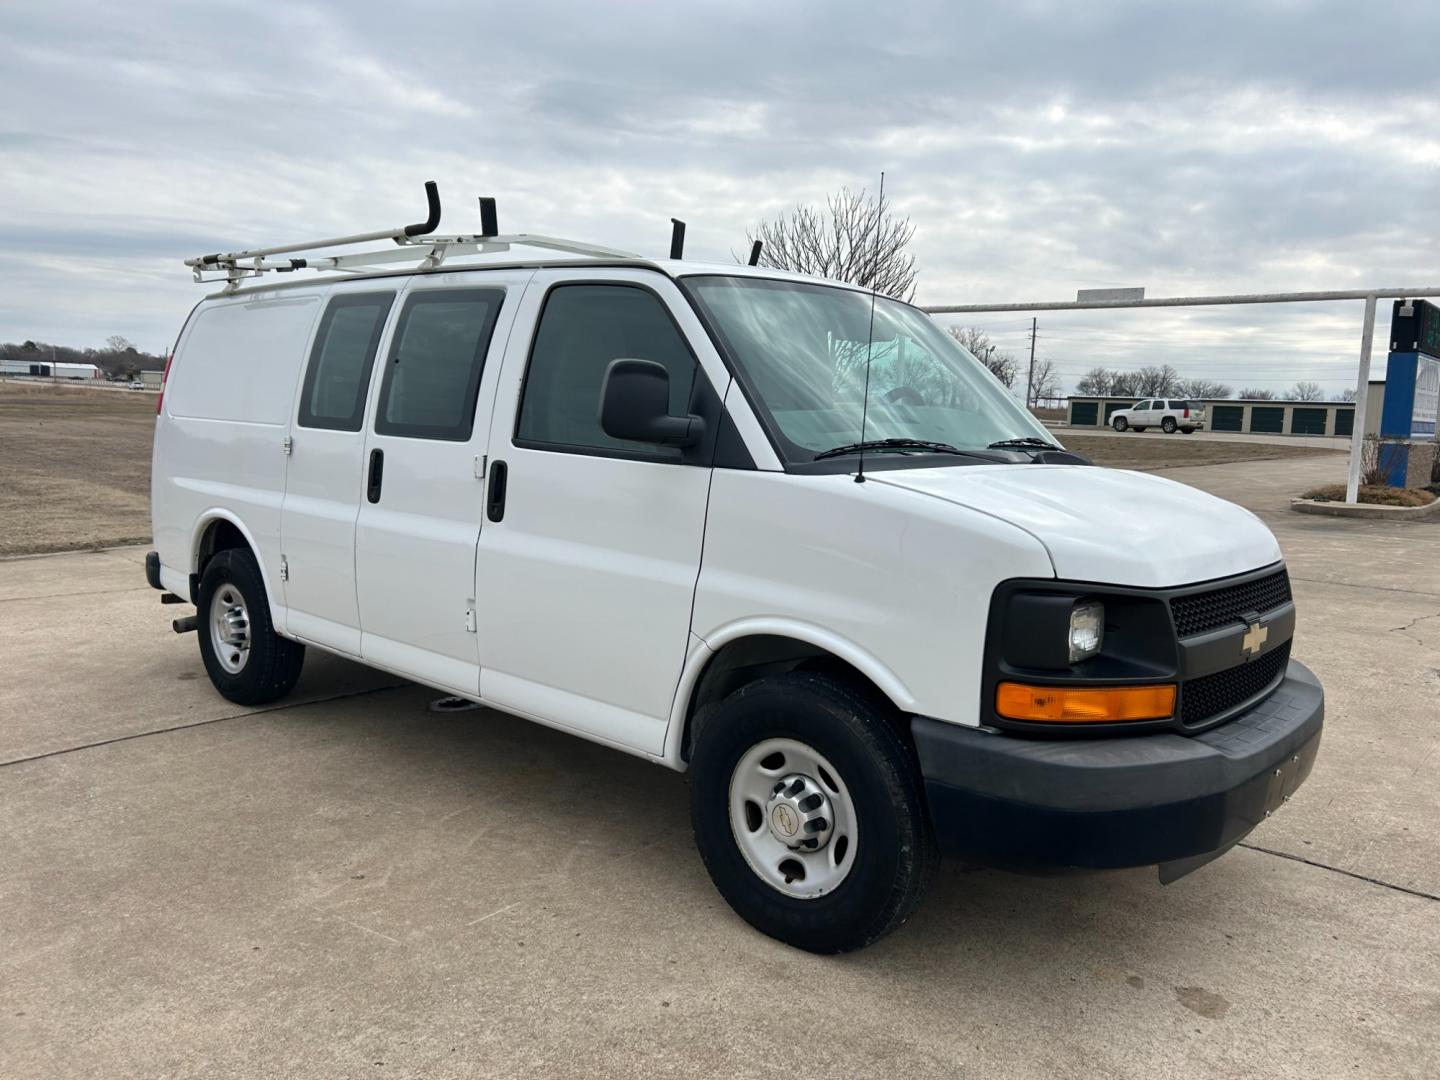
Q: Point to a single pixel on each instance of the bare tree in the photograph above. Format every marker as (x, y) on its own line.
(1305, 391)
(1044, 381)
(1097, 382)
(1202, 388)
(1250, 393)
(855, 238)
(1001, 364)
(1348, 394)
(1157, 381)
(1124, 384)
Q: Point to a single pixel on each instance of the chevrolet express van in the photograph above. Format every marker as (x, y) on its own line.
(770, 530)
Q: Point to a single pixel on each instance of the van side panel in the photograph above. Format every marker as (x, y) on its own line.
(219, 443)
(896, 586)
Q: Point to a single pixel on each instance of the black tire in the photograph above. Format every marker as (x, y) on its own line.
(273, 664)
(894, 855)
(1168, 425)
(1120, 423)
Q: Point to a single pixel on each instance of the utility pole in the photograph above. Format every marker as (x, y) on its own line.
(1030, 371)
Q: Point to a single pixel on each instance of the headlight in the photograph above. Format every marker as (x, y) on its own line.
(1087, 629)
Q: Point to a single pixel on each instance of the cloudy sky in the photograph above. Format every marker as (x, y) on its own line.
(1220, 147)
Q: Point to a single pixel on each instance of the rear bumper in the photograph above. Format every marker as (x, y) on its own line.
(1118, 802)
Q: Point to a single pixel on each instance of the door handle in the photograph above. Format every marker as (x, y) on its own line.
(377, 475)
(495, 500)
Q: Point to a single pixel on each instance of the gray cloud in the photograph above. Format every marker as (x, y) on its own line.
(1211, 147)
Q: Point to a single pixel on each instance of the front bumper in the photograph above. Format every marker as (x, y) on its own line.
(1126, 801)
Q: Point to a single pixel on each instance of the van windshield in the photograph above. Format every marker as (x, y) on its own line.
(802, 349)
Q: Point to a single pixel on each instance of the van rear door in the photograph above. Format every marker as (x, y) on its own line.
(419, 519)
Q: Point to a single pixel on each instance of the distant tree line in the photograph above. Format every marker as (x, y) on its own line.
(119, 359)
(1164, 381)
(1044, 380)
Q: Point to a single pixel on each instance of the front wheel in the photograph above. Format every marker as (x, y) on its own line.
(246, 660)
(1168, 425)
(807, 810)
(1120, 423)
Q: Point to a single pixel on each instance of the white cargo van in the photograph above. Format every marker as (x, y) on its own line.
(772, 530)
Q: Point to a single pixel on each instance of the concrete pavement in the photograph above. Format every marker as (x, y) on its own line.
(351, 885)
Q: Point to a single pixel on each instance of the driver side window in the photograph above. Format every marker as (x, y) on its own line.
(582, 329)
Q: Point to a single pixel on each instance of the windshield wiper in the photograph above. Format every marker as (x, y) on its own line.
(1022, 443)
(895, 444)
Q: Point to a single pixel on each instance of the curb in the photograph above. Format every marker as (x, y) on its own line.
(1363, 510)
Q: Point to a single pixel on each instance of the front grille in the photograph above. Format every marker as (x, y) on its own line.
(1200, 612)
(1211, 695)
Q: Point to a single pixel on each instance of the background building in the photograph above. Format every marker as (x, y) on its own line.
(44, 369)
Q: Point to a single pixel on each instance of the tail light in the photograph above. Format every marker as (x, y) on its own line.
(1187, 412)
(165, 378)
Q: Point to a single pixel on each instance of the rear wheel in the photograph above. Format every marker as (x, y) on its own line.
(246, 660)
(807, 810)
(1168, 425)
(1120, 423)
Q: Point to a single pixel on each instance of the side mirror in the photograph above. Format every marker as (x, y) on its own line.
(635, 405)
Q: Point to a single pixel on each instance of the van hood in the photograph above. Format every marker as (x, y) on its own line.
(1106, 525)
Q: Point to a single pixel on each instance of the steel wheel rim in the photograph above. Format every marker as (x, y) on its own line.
(230, 628)
(758, 822)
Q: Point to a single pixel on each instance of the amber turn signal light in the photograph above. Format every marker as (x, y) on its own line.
(1084, 704)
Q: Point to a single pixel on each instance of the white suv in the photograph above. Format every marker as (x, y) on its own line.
(1169, 415)
(641, 501)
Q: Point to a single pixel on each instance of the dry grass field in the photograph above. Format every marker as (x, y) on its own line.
(75, 464)
(1174, 451)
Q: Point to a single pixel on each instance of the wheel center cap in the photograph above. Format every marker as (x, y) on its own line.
(785, 821)
(799, 814)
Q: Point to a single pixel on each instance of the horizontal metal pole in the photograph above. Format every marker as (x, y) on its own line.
(1189, 301)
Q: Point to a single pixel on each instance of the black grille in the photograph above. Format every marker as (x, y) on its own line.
(1199, 612)
(1211, 695)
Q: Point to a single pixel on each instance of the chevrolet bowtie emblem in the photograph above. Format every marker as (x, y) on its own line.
(1254, 639)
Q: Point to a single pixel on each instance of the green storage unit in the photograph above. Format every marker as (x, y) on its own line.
(1344, 421)
(1112, 407)
(1227, 417)
(1084, 413)
(1268, 419)
(1307, 421)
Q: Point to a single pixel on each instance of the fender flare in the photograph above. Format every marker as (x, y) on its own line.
(203, 522)
(708, 647)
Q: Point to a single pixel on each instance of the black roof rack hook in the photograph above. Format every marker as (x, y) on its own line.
(677, 238)
(489, 221)
(432, 220)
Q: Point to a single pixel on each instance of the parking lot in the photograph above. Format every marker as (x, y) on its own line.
(350, 884)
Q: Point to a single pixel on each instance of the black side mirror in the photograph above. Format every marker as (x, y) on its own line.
(635, 405)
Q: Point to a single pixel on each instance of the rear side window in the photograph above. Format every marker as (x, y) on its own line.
(1178, 405)
(344, 352)
(240, 359)
(582, 329)
(437, 355)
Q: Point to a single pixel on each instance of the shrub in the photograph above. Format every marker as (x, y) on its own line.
(1374, 494)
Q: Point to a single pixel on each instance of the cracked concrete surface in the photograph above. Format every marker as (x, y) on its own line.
(350, 884)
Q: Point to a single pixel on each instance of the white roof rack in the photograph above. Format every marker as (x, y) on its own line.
(413, 244)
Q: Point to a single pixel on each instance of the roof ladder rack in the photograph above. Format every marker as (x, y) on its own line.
(414, 244)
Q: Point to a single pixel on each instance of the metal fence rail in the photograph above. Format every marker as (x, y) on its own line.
(1367, 335)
